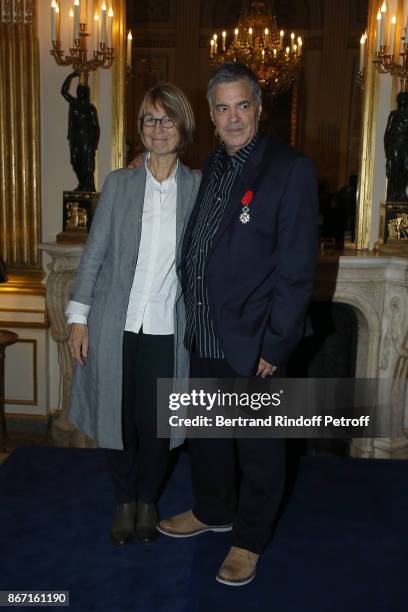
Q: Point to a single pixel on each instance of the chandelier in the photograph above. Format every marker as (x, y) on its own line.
(81, 18)
(256, 41)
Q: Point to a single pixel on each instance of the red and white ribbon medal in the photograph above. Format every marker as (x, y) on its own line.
(245, 217)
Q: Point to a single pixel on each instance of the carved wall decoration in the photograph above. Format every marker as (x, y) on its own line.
(20, 205)
(377, 289)
(386, 351)
(151, 70)
(294, 14)
(316, 14)
(358, 14)
(226, 14)
(65, 260)
(151, 11)
(17, 11)
(397, 325)
(214, 14)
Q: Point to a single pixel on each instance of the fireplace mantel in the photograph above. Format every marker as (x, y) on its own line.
(375, 286)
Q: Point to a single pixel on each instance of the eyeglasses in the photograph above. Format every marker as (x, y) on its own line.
(165, 122)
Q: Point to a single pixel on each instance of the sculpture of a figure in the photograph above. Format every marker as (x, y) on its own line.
(396, 150)
(83, 133)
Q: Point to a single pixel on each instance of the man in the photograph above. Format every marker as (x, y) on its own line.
(247, 272)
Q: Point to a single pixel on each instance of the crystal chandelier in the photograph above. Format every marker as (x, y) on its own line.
(256, 41)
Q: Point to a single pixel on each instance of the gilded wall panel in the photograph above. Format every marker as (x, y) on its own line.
(151, 11)
(19, 135)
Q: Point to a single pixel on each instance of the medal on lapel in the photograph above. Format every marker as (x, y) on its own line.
(245, 217)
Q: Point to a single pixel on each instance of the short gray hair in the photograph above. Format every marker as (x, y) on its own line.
(230, 72)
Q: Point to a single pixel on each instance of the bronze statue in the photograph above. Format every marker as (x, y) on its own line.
(396, 150)
(83, 133)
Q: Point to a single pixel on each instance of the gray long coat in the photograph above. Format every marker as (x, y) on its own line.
(104, 281)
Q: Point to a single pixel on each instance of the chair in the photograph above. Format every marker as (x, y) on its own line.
(6, 338)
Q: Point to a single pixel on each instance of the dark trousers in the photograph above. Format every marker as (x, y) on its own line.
(237, 481)
(139, 470)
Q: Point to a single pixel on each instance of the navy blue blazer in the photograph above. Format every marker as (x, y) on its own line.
(260, 275)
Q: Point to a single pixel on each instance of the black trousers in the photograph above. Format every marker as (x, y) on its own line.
(237, 481)
(139, 470)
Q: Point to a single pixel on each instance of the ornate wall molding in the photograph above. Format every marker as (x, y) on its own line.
(367, 154)
(152, 11)
(119, 87)
(148, 43)
(20, 205)
(17, 11)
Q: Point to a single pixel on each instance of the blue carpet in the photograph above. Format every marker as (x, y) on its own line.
(341, 545)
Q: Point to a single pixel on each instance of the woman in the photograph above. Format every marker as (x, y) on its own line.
(126, 331)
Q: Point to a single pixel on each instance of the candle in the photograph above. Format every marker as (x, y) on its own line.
(391, 11)
(53, 20)
(392, 7)
(392, 34)
(405, 18)
(263, 54)
(300, 45)
(57, 13)
(382, 27)
(129, 49)
(281, 35)
(76, 19)
(83, 11)
(96, 29)
(275, 53)
(211, 48)
(378, 27)
(250, 37)
(362, 52)
(236, 32)
(103, 24)
(215, 37)
(266, 37)
(292, 36)
(287, 50)
(224, 36)
(406, 23)
(110, 26)
(71, 28)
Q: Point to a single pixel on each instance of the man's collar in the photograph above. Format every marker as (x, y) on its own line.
(239, 157)
(242, 154)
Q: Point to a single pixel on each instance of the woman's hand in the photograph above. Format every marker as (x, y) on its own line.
(78, 342)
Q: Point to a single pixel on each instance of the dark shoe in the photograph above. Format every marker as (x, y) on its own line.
(123, 525)
(147, 519)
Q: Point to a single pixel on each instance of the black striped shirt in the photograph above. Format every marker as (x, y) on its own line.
(200, 336)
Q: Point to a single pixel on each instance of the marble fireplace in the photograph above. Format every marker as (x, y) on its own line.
(374, 286)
